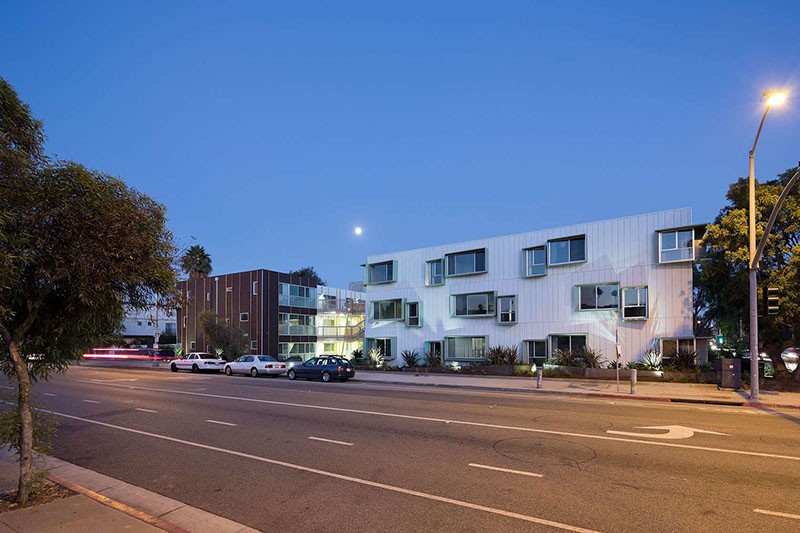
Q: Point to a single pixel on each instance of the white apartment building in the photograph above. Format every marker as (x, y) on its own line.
(623, 282)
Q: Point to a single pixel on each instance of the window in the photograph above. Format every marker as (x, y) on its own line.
(328, 347)
(244, 317)
(598, 297)
(387, 310)
(634, 303)
(412, 315)
(138, 322)
(192, 345)
(189, 294)
(535, 261)
(254, 345)
(676, 245)
(435, 273)
(228, 289)
(534, 352)
(297, 296)
(303, 350)
(463, 263)
(184, 321)
(507, 306)
(208, 296)
(255, 288)
(474, 305)
(387, 346)
(381, 272)
(296, 324)
(670, 346)
(432, 347)
(566, 342)
(465, 347)
(570, 250)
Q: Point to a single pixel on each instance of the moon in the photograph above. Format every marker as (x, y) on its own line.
(357, 230)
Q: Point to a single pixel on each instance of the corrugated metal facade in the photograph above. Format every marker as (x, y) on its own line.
(622, 250)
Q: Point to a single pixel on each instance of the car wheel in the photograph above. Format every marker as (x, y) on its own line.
(291, 374)
(195, 368)
(228, 371)
(254, 372)
(173, 367)
(326, 377)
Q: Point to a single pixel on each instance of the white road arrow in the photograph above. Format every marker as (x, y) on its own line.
(673, 432)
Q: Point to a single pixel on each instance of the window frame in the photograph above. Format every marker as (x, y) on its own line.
(392, 274)
(399, 304)
(569, 241)
(446, 347)
(529, 358)
(244, 317)
(429, 276)
(579, 302)
(552, 346)
(417, 316)
(475, 272)
(677, 248)
(527, 265)
(500, 312)
(254, 345)
(646, 304)
(491, 305)
(255, 288)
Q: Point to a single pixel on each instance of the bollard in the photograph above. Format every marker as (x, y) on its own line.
(633, 381)
(539, 377)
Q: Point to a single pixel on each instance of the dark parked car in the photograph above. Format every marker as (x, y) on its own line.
(324, 368)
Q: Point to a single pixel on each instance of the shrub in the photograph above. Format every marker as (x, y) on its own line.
(511, 355)
(376, 357)
(566, 358)
(502, 355)
(590, 358)
(614, 364)
(681, 360)
(634, 365)
(651, 360)
(410, 358)
(433, 358)
(358, 353)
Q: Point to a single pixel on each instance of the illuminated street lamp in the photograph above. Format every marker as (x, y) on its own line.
(770, 99)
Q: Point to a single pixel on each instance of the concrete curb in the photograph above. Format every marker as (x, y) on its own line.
(118, 506)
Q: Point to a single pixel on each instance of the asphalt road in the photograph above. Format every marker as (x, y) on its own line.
(282, 456)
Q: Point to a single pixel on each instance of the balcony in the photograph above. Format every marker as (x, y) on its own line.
(341, 332)
(350, 307)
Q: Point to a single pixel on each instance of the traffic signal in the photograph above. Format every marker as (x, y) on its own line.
(773, 301)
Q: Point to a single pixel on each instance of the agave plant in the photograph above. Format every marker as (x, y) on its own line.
(433, 358)
(651, 360)
(566, 357)
(410, 358)
(496, 355)
(590, 358)
(376, 356)
(178, 350)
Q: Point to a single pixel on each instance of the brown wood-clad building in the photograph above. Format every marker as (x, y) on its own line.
(251, 301)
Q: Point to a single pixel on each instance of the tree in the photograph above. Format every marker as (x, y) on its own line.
(196, 262)
(310, 273)
(721, 282)
(233, 342)
(75, 245)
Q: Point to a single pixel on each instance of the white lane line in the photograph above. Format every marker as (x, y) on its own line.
(48, 394)
(497, 468)
(91, 401)
(221, 423)
(775, 513)
(142, 409)
(293, 466)
(331, 441)
(466, 423)
(114, 380)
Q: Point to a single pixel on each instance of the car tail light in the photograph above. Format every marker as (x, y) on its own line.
(339, 369)
(269, 366)
(283, 366)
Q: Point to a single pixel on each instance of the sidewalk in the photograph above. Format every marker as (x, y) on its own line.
(103, 504)
(645, 390)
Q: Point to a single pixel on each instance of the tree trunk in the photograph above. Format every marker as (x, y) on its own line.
(26, 474)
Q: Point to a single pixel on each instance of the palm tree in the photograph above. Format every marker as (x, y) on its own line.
(196, 262)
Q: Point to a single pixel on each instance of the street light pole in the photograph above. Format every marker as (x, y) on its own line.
(771, 99)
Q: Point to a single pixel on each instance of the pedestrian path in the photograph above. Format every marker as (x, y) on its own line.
(644, 390)
(103, 504)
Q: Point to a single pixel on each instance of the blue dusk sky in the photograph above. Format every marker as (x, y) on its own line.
(270, 130)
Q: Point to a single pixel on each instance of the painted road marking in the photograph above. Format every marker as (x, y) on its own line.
(91, 401)
(673, 432)
(384, 486)
(775, 513)
(113, 380)
(497, 468)
(142, 409)
(331, 441)
(465, 423)
(48, 394)
(221, 423)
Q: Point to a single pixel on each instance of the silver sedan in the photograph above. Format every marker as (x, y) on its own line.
(255, 365)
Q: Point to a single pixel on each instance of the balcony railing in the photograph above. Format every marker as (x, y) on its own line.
(344, 332)
(341, 306)
(287, 329)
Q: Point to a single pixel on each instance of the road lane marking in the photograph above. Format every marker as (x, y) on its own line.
(498, 469)
(332, 441)
(91, 401)
(775, 513)
(221, 423)
(462, 422)
(673, 432)
(142, 409)
(334, 475)
(114, 380)
(48, 394)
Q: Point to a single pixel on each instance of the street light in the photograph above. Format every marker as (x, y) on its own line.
(771, 99)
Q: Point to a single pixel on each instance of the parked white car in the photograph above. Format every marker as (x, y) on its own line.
(256, 365)
(198, 362)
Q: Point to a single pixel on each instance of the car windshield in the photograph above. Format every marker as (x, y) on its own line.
(266, 358)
